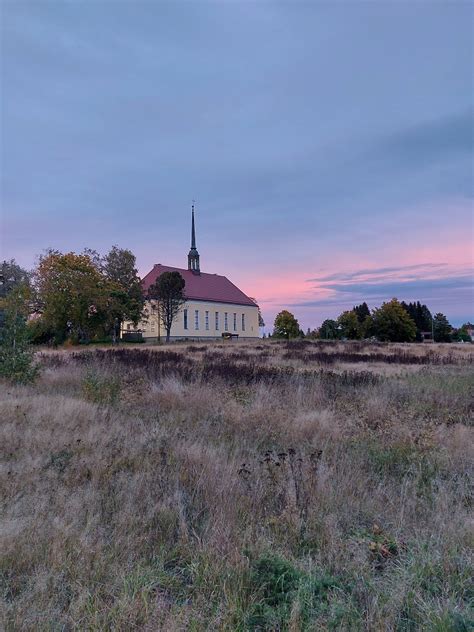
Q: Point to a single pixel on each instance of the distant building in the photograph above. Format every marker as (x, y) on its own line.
(215, 307)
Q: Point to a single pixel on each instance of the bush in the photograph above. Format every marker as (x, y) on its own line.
(39, 333)
(133, 336)
(16, 357)
(18, 365)
(100, 389)
(275, 578)
(285, 590)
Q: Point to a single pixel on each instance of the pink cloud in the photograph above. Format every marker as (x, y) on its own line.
(426, 260)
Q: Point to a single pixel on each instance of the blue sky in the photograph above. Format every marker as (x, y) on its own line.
(329, 145)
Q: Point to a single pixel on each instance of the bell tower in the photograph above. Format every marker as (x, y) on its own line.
(193, 256)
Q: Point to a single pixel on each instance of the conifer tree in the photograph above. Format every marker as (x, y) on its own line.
(442, 328)
(362, 311)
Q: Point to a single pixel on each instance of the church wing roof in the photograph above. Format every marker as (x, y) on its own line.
(203, 286)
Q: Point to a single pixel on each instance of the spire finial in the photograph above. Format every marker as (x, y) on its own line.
(193, 230)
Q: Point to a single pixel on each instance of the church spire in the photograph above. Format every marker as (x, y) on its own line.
(193, 231)
(193, 256)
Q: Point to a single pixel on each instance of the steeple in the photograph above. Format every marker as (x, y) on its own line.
(193, 256)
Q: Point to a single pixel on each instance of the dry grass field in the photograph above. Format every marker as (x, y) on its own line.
(267, 486)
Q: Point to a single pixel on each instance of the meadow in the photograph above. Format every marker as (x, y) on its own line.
(236, 486)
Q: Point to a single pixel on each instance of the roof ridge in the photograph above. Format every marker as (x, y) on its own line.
(162, 265)
(206, 286)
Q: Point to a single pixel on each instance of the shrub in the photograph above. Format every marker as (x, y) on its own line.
(275, 581)
(275, 578)
(16, 357)
(285, 593)
(39, 333)
(100, 389)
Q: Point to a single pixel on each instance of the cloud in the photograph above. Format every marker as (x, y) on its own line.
(395, 288)
(429, 141)
(419, 281)
(404, 290)
(377, 272)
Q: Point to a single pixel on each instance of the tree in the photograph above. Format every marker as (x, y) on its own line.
(441, 328)
(350, 325)
(73, 296)
(11, 276)
(421, 315)
(367, 329)
(127, 301)
(261, 322)
(286, 325)
(461, 334)
(95, 258)
(362, 311)
(16, 356)
(329, 330)
(168, 290)
(392, 323)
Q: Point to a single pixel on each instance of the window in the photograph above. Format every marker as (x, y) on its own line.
(185, 315)
(235, 321)
(243, 322)
(196, 319)
(226, 325)
(207, 321)
(217, 321)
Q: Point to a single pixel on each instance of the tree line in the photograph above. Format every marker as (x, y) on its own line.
(394, 321)
(86, 297)
(78, 298)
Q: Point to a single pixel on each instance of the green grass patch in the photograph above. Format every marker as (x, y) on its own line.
(286, 593)
(100, 389)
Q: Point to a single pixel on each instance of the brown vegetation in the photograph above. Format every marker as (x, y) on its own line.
(276, 486)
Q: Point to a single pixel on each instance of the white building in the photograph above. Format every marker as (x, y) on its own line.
(214, 305)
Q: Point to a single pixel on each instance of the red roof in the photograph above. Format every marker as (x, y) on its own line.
(203, 286)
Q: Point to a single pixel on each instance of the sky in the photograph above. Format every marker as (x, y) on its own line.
(328, 145)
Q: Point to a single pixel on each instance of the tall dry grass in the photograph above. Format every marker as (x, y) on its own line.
(231, 487)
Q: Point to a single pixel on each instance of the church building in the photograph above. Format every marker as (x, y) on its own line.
(215, 307)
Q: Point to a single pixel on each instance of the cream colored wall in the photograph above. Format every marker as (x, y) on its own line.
(150, 327)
